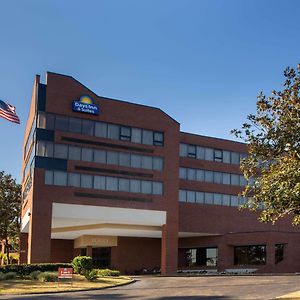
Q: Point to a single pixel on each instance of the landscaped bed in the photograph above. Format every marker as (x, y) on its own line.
(26, 286)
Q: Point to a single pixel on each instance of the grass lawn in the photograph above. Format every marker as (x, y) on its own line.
(294, 295)
(19, 286)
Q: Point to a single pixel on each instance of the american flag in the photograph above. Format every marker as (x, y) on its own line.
(8, 112)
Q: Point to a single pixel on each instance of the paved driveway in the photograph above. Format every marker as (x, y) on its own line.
(188, 288)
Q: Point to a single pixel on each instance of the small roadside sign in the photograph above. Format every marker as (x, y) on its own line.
(65, 273)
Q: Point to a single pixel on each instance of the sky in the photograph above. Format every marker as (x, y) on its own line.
(201, 61)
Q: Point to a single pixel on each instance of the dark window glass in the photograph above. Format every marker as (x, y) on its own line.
(207, 257)
(75, 125)
(250, 255)
(218, 155)
(147, 137)
(279, 253)
(125, 133)
(158, 138)
(192, 151)
(50, 120)
(61, 123)
(87, 127)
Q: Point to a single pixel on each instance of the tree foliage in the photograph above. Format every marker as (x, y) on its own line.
(273, 164)
(10, 205)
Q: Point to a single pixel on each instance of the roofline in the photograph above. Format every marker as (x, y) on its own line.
(124, 101)
(211, 137)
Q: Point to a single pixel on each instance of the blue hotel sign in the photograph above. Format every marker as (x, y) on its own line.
(85, 105)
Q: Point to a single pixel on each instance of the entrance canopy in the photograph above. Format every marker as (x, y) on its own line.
(70, 221)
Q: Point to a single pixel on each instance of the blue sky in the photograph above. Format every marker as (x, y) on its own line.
(202, 61)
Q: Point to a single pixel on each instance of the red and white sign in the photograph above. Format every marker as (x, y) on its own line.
(65, 273)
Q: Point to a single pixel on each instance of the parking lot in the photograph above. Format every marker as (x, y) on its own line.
(189, 288)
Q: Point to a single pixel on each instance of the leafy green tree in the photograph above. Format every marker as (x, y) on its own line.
(10, 206)
(273, 164)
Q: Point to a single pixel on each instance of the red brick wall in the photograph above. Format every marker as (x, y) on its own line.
(62, 251)
(133, 254)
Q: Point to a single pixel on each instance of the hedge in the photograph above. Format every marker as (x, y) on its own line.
(26, 269)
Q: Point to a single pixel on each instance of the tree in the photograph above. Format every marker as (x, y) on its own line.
(10, 206)
(272, 167)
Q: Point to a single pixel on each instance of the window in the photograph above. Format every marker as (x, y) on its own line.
(209, 198)
(191, 151)
(124, 159)
(124, 185)
(157, 188)
(226, 200)
(157, 163)
(182, 195)
(218, 177)
(61, 151)
(182, 173)
(207, 257)
(113, 131)
(101, 129)
(218, 155)
(86, 181)
(226, 178)
(99, 182)
(199, 197)
(209, 176)
(75, 125)
(191, 196)
(234, 200)
(147, 137)
(191, 174)
(112, 183)
(209, 154)
(200, 153)
(136, 161)
(235, 179)
(100, 156)
(40, 149)
(60, 178)
(74, 179)
(183, 150)
(250, 255)
(48, 177)
(279, 253)
(136, 135)
(87, 127)
(61, 123)
(158, 138)
(50, 121)
(217, 199)
(41, 123)
(226, 157)
(112, 158)
(200, 175)
(87, 154)
(147, 162)
(74, 153)
(125, 133)
(235, 158)
(146, 187)
(135, 186)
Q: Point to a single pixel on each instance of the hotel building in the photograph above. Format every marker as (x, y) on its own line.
(120, 182)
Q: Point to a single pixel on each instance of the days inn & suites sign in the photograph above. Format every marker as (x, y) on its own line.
(85, 105)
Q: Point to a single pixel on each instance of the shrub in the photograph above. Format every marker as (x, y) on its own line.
(47, 277)
(91, 275)
(81, 264)
(26, 269)
(107, 272)
(10, 275)
(1, 276)
(34, 274)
